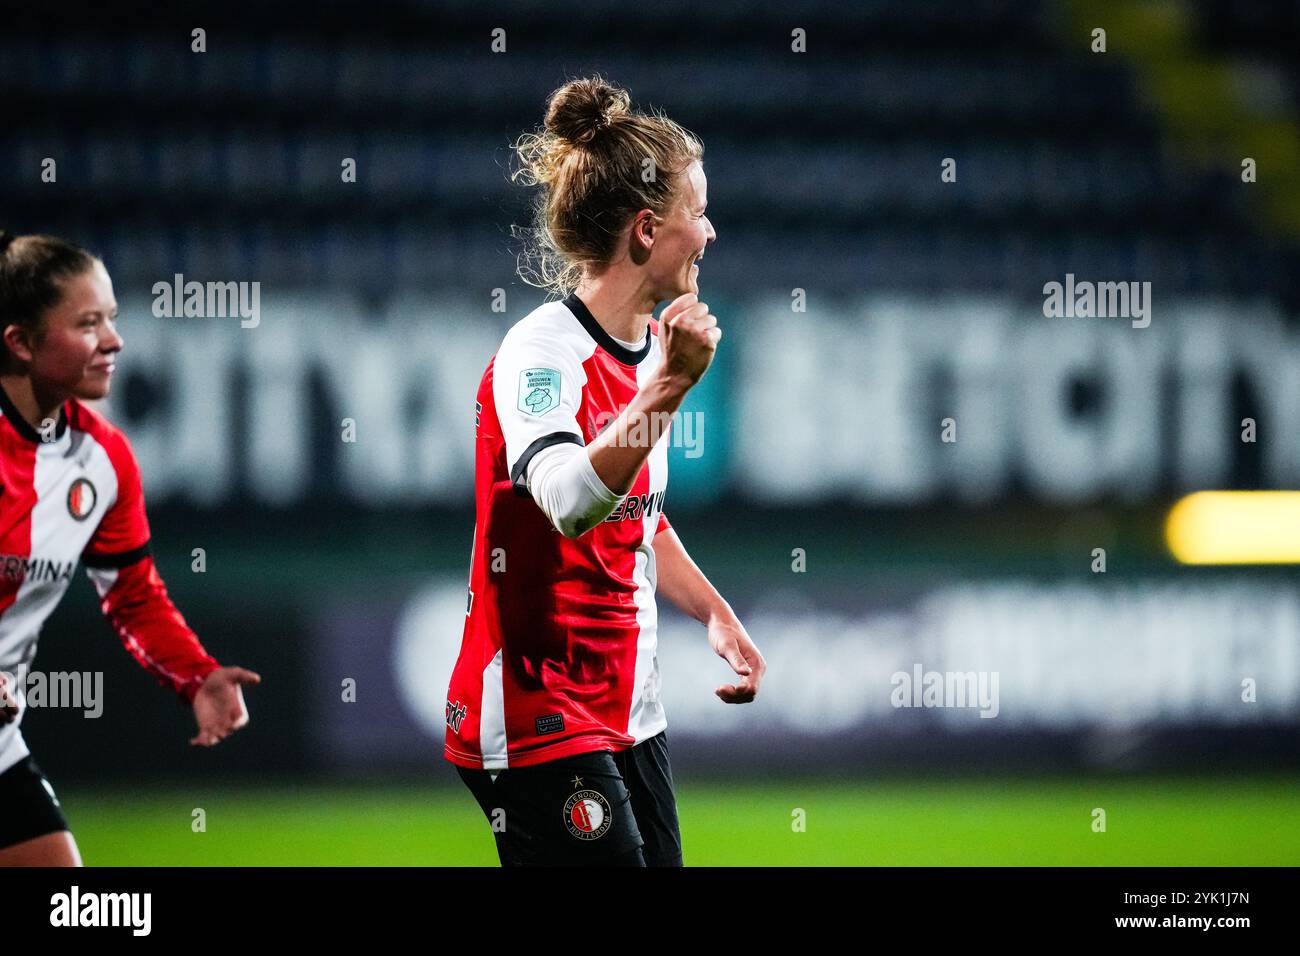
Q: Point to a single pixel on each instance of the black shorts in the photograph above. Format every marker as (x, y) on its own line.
(28, 806)
(605, 808)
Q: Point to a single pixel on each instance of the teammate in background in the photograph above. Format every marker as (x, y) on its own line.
(554, 717)
(70, 488)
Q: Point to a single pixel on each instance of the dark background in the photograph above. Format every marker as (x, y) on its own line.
(824, 175)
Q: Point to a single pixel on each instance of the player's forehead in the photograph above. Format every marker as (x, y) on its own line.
(89, 291)
(695, 185)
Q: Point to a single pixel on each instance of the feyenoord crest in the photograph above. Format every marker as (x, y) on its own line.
(81, 499)
(587, 815)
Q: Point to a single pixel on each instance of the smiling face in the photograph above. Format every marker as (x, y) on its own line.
(682, 237)
(74, 348)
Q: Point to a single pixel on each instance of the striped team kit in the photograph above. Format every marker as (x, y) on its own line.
(72, 493)
(558, 655)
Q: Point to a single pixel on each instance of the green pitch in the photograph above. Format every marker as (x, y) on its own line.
(1149, 821)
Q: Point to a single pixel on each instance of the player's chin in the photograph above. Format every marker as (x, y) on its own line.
(94, 386)
(679, 286)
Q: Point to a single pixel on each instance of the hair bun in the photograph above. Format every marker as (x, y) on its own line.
(580, 109)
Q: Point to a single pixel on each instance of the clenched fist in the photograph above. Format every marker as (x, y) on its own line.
(688, 335)
(8, 703)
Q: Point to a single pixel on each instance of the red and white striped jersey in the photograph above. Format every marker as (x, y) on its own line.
(558, 655)
(75, 493)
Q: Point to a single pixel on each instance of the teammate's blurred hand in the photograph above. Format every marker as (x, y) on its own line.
(8, 703)
(728, 638)
(688, 335)
(219, 704)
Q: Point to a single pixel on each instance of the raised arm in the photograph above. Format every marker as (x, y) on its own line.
(575, 485)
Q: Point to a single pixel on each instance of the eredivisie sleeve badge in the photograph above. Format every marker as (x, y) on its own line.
(539, 390)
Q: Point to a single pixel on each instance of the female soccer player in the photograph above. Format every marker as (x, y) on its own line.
(70, 488)
(553, 713)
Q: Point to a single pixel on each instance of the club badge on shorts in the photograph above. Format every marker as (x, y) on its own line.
(587, 815)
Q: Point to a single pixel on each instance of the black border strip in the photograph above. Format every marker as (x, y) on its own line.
(603, 338)
(518, 473)
(120, 560)
(1089, 899)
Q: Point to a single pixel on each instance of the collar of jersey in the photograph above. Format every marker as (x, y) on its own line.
(606, 341)
(22, 426)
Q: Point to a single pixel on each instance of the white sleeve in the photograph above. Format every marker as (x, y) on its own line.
(537, 383)
(567, 489)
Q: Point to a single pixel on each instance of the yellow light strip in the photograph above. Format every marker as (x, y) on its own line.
(1235, 527)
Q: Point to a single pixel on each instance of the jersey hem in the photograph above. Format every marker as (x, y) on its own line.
(14, 752)
(587, 743)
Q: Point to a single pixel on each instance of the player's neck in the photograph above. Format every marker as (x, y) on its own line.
(622, 309)
(36, 407)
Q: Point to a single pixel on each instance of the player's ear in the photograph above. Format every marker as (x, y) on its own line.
(641, 237)
(17, 340)
(645, 226)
